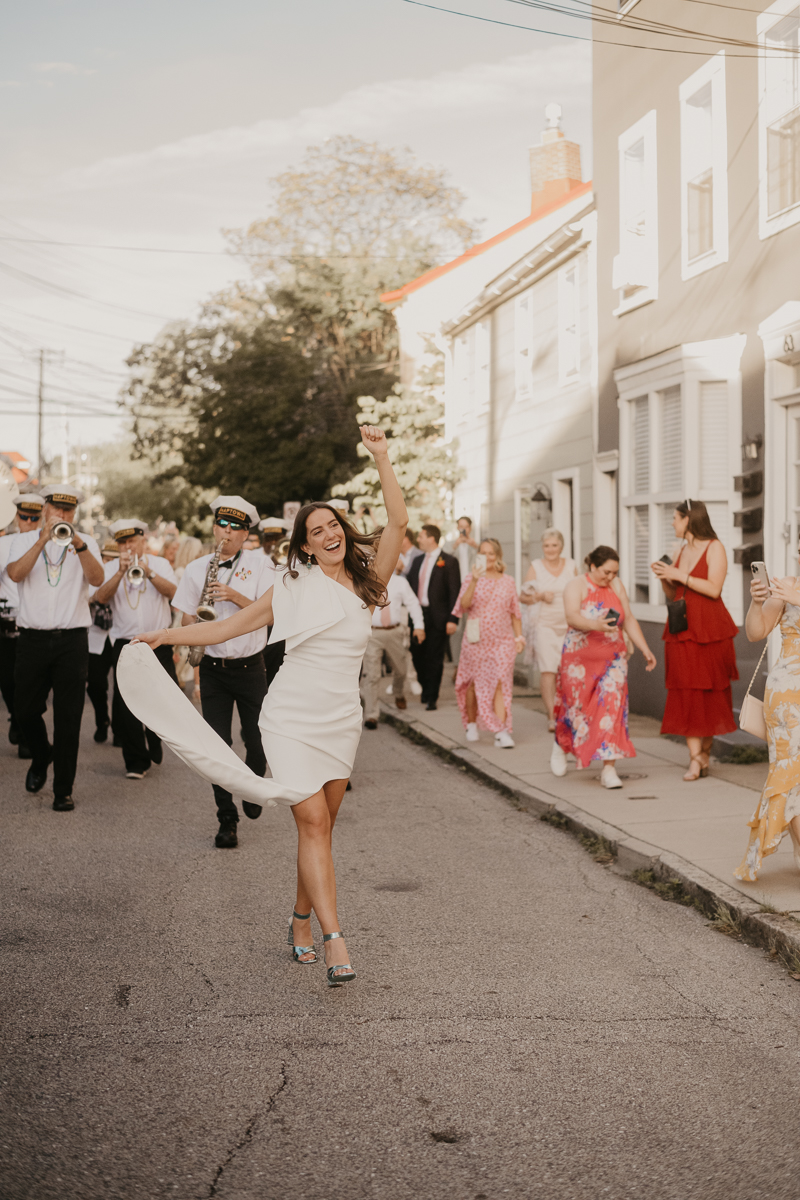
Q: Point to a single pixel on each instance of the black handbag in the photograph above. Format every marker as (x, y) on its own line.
(677, 618)
(103, 616)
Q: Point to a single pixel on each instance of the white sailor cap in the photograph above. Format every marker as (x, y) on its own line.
(126, 527)
(30, 503)
(235, 508)
(339, 505)
(63, 495)
(274, 525)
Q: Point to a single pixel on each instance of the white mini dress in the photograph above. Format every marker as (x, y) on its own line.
(311, 718)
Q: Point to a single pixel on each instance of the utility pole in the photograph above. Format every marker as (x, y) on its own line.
(43, 356)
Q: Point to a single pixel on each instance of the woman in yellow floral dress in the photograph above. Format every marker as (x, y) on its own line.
(778, 810)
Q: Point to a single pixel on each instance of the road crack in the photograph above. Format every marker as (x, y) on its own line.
(247, 1135)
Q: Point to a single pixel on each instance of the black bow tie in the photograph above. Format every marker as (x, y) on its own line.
(229, 563)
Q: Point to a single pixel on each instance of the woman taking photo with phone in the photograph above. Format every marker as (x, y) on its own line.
(592, 685)
(778, 810)
(491, 642)
(698, 638)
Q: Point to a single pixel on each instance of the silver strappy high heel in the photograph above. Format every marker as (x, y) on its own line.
(348, 972)
(298, 950)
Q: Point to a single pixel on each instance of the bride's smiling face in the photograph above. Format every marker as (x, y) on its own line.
(324, 538)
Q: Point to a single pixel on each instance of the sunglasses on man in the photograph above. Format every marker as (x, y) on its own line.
(225, 523)
(24, 517)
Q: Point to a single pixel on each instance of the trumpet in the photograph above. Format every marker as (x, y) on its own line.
(135, 572)
(62, 533)
(280, 552)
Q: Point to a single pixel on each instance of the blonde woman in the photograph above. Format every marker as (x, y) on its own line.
(544, 586)
(492, 640)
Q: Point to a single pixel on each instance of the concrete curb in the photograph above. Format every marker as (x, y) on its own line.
(775, 932)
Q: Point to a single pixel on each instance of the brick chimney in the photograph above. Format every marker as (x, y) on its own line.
(555, 163)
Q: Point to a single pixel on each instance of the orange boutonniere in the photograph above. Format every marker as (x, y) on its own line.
(440, 562)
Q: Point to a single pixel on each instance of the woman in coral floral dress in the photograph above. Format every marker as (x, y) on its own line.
(592, 686)
(485, 678)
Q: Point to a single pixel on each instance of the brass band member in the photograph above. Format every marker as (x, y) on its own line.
(29, 514)
(138, 588)
(232, 672)
(54, 575)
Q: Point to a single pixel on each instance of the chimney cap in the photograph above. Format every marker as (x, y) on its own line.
(553, 114)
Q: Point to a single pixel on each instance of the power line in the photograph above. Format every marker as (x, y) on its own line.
(75, 328)
(26, 277)
(577, 37)
(218, 253)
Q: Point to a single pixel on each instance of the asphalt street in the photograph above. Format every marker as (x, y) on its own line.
(526, 1023)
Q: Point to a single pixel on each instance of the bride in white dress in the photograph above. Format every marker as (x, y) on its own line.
(311, 717)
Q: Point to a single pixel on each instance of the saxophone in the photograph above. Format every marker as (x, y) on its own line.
(205, 609)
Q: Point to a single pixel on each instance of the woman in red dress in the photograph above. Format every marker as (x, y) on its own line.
(701, 661)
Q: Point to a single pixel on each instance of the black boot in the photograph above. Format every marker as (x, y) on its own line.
(253, 811)
(13, 732)
(226, 838)
(101, 733)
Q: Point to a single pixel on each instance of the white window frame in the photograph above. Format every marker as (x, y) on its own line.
(481, 378)
(646, 266)
(711, 73)
(572, 536)
(688, 366)
(769, 226)
(569, 332)
(780, 335)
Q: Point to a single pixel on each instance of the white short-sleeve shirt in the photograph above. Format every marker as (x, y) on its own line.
(252, 574)
(137, 610)
(8, 589)
(55, 594)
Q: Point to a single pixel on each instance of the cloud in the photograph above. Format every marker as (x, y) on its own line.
(62, 68)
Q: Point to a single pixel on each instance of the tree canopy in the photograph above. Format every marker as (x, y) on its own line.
(261, 394)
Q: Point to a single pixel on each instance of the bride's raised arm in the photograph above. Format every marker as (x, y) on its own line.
(211, 633)
(397, 516)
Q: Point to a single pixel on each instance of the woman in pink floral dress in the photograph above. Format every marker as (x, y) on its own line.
(592, 685)
(492, 640)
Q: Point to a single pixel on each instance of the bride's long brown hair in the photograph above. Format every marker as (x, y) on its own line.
(359, 553)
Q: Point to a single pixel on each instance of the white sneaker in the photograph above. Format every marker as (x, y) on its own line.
(503, 740)
(472, 731)
(558, 760)
(135, 774)
(609, 777)
(416, 688)
(390, 690)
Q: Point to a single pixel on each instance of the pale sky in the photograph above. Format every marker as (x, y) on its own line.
(159, 124)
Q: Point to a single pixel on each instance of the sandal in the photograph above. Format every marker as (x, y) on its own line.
(690, 775)
(298, 950)
(348, 974)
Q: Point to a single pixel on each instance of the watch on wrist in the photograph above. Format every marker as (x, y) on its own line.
(80, 549)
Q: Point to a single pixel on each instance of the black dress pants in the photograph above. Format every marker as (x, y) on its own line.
(54, 660)
(137, 741)
(428, 658)
(8, 658)
(274, 653)
(97, 683)
(223, 683)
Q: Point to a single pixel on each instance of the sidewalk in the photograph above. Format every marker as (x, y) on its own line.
(697, 831)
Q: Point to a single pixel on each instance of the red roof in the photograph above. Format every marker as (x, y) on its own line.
(480, 247)
(19, 464)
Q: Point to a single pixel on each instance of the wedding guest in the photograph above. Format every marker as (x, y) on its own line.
(463, 546)
(493, 639)
(778, 808)
(189, 549)
(434, 577)
(409, 551)
(701, 660)
(390, 637)
(592, 685)
(544, 588)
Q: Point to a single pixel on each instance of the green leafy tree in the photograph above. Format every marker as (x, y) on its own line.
(263, 390)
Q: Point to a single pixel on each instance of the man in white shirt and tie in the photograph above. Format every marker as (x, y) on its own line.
(137, 605)
(54, 579)
(389, 637)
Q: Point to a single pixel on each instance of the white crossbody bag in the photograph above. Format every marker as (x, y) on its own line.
(751, 714)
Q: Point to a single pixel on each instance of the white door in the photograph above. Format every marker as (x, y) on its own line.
(792, 519)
